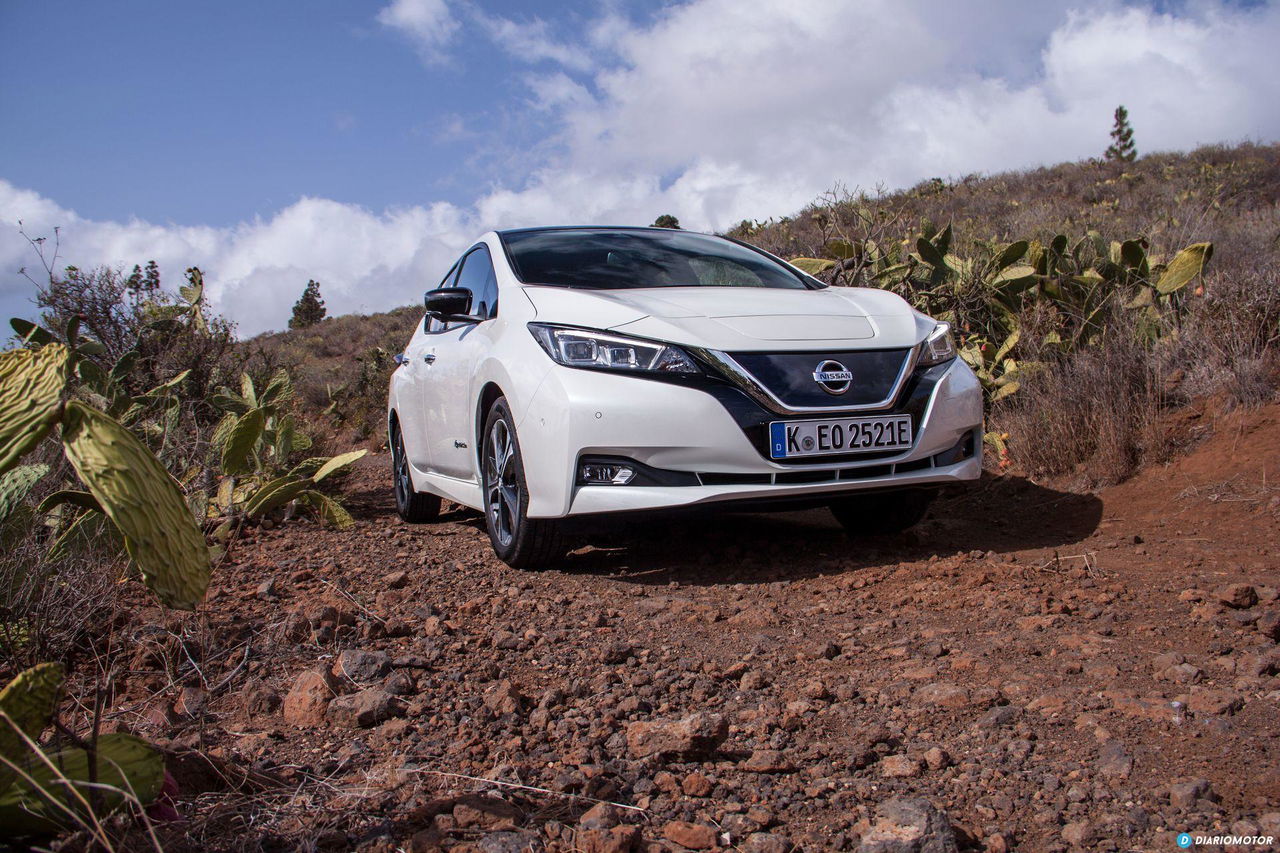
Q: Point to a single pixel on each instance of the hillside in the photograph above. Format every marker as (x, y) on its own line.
(1226, 195)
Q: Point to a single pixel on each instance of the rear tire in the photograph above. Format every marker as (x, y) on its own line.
(519, 541)
(880, 513)
(413, 507)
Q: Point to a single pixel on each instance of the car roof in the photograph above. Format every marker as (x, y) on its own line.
(596, 228)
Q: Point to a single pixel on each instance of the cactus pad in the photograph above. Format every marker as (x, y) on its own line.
(28, 702)
(31, 384)
(143, 501)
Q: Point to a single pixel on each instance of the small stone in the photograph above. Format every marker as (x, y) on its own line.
(937, 758)
(259, 699)
(1114, 761)
(616, 653)
(504, 698)
(1078, 833)
(753, 680)
(267, 590)
(1001, 715)
(909, 825)
(395, 580)
(767, 761)
(695, 836)
(599, 816)
(1183, 673)
(996, 843)
(694, 736)
(899, 767)
(697, 785)
(192, 703)
(766, 842)
(1184, 794)
(1268, 625)
(306, 701)
(361, 666)
(1214, 703)
(365, 709)
(618, 839)
(1237, 595)
(507, 842)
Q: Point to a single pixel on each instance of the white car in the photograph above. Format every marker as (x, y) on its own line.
(565, 372)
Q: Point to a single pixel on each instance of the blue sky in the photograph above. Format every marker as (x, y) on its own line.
(366, 143)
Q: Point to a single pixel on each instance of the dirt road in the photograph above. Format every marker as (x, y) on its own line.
(757, 681)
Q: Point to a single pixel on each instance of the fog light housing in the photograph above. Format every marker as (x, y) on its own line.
(606, 474)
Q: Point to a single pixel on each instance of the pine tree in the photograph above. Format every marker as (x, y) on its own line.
(309, 309)
(666, 220)
(1122, 148)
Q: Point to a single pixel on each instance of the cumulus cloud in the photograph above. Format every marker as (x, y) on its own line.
(254, 270)
(430, 24)
(720, 110)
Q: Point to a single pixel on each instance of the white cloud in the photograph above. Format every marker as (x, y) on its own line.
(429, 23)
(719, 110)
(532, 41)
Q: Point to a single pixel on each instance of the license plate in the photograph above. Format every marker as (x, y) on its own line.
(788, 439)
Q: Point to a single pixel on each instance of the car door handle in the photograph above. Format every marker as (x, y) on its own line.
(429, 358)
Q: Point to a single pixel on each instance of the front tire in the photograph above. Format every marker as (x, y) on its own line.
(519, 541)
(413, 507)
(880, 513)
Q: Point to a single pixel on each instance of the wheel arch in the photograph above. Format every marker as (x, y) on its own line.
(489, 394)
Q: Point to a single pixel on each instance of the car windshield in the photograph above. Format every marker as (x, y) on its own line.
(603, 259)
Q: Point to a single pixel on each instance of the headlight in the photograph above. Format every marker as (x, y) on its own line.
(938, 347)
(585, 348)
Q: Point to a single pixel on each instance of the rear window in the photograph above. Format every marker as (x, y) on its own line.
(614, 260)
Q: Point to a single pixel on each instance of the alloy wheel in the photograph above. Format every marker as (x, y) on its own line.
(502, 492)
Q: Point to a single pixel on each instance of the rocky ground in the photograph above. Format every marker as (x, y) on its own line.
(1029, 669)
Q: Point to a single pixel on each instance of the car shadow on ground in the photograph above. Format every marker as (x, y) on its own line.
(999, 514)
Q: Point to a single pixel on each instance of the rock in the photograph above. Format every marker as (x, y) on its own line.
(1114, 761)
(695, 736)
(1237, 595)
(943, 695)
(192, 703)
(753, 680)
(618, 839)
(508, 842)
(899, 767)
(1183, 673)
(1268, 625)
(615, 653)
(937, 758)
(599, 816)
(395, 580)
(909, 825)
(1078, 833)
(695, 836)
(1214, 703)
(766, 842)
(996, 843)
(994, 718)
(258, 699)
(767, 761)
(365, 709)
(697, 785)
(504, 698)
(267, 590)
(1184, 794)
(361, 666)
(306, 701)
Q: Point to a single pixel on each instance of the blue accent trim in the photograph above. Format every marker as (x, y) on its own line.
(778, 440)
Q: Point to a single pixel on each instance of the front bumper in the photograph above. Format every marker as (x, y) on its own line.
(714, 431)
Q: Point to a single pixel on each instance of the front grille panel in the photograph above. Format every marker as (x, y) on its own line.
(789, 376)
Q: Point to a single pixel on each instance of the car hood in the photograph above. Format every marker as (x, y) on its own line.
(736, 319)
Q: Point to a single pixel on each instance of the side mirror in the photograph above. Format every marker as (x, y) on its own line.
(446, 303)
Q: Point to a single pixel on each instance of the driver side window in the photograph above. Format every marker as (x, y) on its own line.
(478, 277)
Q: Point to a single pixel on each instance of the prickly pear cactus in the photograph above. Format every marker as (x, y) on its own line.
(127, 768)
(16, 485)
(26, 704)
(31, 385)
(143, 501)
